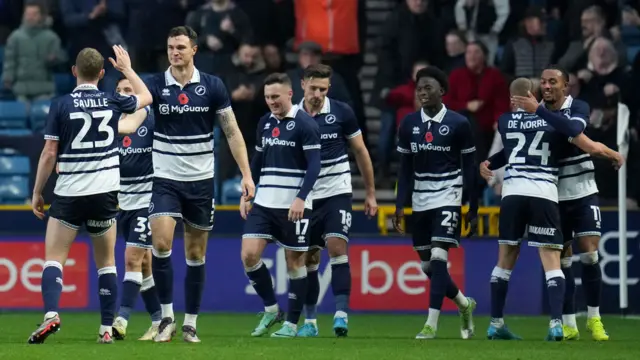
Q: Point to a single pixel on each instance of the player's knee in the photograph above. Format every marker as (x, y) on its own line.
(249, 257)
(499, 273)
(161, 234)
(297, 273)
(146, 260)
(589, 258)
(336, 246)
(439, 254)
(195, 252)
(295, 260)
(313, 259)
(588, 243)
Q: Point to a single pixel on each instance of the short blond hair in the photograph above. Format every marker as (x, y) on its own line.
(89, 63)
(521, 87)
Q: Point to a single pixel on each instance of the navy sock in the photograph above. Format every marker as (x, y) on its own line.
(440, 279)
(108, 293)
(261, 281)
(297, 294)
(569, 304)
(591, 278)
(194, 286)
(341, 282)
(556, 288)
(499, 288)
(162, 270)
(452, 288)
(51, 285)
(150, 298)
(313, 292)
(130, 290)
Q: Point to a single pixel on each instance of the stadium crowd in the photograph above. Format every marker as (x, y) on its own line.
(481, 44)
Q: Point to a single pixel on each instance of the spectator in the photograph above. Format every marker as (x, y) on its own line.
(480, 92)
(221, 27)
(456, 44)
(31, 52)
(530, 53)
(310, 53)
(593, 26)
(483, 20)
(606, 132)
(268, 30)
(403, 99)
(604, 77)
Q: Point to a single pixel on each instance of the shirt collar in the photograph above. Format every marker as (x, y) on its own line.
(170, 80)
(438, 118)
(290, 115)
(565, 105)
(326, 107)
(85, 87)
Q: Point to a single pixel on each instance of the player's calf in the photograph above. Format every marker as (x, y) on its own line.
(340, 281)
(310, 327)
(297, 273)
(130, 289)
(104, 247)
(507, 256)
(196, 247)
(556, 286)
(162, 230)
(570, 328)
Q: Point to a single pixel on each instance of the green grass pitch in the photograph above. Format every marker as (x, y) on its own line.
(371, 337)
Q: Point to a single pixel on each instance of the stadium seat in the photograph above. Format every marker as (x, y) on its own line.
(12, 163)
(630, 35)
(13, 114)
(15, 132)
(64, 83)
(632, 51)
(38, 115)
(231, 192)
(499, 52)
(14, 189)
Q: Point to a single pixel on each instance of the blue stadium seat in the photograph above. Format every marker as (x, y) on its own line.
(231, 192)
(15, 132)
(13, 114)
(64, 83)
(14, 189)
(39, 113)
(630, 35)
(12, 163)
(499, 52)
(632, 51)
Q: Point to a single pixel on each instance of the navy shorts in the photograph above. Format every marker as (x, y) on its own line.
(96, 212)
(331, 217)
(273, 225)
(135, 228)
(436, 225)
(580, 217)
(192, 201)
(531, 218)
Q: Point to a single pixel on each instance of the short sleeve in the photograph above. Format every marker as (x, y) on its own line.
(310, 135)
(350, 126)
(220, 97)
(52, 126)
(465, 137)
(404, 137)
(126, 104)
(580, 112)
(259, 130)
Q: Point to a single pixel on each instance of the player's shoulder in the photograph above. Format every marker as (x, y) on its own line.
(579, 106)
(304, 120)
(337, 106)
(209, 80)
(410, 119)
(156, 79)
(455, 117)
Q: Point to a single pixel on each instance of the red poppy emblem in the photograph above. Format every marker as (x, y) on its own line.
(183, 99)
(275, 132)
(428, 136)
(126, 141)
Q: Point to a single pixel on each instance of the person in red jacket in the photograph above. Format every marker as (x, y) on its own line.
(480, 92)
(403, 97)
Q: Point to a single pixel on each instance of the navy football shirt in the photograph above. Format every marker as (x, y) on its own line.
(282, 144)
(337, 124)
(85, 123)
(136, 166)
(184, 121)
(436, 145)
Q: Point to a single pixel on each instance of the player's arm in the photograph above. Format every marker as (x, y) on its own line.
(597, 149)
(142, 95)
(46, 165)
(360, 151)
(571, 128)
(234, 137)
(497, 160)
(405, 174)
(129, 124)
(311, 147)
(469, 165)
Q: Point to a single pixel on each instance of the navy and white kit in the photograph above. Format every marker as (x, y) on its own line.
(282, 151)
(332, 193)
(437, 146)
(85, 124)
(136, 180)
(530, 188)
(183, 146)
(577, 189)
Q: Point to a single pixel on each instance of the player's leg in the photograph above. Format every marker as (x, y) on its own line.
(198, 213)
(513, 222)
(545, 233)
(567, 219)
(256, 234)
(58, 239)
(312, 263)
(164, 209)
(150, 298)
(588, 235)
(294, 237)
